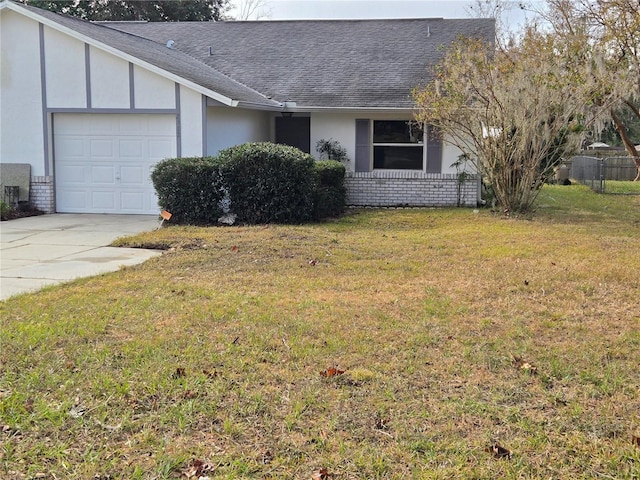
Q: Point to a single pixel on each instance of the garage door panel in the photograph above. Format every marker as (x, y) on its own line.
(156, 127)
(132, 125)
(133, 175)
(103, 162)
(102, 125)
(132, 201)
(104, 201)
(101, 148)
(73, 174)
(74, 200)
(133, 148)
(103, 175)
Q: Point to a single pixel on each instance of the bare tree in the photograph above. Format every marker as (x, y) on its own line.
(249, 10)
(515, 111)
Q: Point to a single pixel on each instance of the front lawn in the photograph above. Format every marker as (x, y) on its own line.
(471, 345)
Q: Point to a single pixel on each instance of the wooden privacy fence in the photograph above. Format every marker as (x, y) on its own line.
(620, 168)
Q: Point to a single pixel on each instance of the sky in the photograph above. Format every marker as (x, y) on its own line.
(353, 9)
(367, 9)
(334, 9)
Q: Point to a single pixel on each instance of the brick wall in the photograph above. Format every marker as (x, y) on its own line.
(42, 195)
(415, 189)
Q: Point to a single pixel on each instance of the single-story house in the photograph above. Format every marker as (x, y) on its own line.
(91, 107)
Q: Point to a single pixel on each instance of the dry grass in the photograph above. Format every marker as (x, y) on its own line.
(456, 330)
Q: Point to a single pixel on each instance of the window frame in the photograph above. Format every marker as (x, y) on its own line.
(419, 143)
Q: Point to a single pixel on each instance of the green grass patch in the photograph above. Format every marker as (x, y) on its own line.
(619, 187)
(454, 329)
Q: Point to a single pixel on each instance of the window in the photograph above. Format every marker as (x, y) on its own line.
(398, 145)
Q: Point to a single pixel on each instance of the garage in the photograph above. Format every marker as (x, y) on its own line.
(103, 162)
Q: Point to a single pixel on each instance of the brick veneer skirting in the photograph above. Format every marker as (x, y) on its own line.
(41, 194)
(415, 189)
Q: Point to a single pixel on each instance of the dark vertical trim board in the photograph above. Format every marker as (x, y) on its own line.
(43, 93)
(434, 150)
(363, 145)
(132, 91)
(178, 123)
(205, 143)
(87, 72)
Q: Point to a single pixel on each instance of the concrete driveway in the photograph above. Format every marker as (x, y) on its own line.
(50, 249)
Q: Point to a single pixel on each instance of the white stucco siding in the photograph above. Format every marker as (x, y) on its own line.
(190, 122)
(228, 126)
(65, 66)
(152, 91)
(450, 155)
(340, 127)
(21, 128)
(109, 80)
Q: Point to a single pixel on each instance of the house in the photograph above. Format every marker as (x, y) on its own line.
(92, 106)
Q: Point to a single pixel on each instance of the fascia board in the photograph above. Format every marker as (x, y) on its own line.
(363, 110)
(125, 56)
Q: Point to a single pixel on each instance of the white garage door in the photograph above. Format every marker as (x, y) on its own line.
(103, 161)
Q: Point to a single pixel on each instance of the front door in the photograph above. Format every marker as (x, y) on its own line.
(294, 131)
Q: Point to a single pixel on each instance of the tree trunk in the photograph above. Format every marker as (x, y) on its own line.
(628, 145)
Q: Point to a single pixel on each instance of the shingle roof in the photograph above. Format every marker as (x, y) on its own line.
(318, 63)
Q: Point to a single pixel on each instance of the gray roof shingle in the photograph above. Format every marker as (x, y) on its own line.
(315, 63)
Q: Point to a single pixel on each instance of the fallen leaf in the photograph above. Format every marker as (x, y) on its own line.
(179, 373)
(321, 474)
(331, 372)
(520, 364)
(198, 469)
(234, 248)
(498, 451)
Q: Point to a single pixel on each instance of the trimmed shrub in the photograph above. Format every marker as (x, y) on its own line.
(331, 195)
(258, 182)
(190, 188)
(269, 183)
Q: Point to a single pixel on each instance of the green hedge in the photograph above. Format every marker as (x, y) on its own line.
(269, 183)
(264, 182)
(330, 195)
(190, 188)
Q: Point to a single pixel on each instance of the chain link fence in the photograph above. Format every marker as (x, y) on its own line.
(603, 175)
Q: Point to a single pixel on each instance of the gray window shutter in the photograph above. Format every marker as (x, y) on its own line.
(434, 150)
(363, 146)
